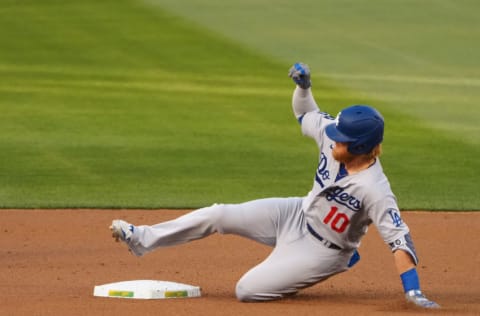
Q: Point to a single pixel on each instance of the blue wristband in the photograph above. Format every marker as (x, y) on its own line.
(410, 280)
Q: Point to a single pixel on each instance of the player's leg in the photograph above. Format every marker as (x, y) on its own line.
(263, 220)
(257, 220)
(290, 267)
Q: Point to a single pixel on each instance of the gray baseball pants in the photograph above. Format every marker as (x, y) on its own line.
(298, 259)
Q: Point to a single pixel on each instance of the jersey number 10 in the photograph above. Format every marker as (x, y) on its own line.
(338, 221)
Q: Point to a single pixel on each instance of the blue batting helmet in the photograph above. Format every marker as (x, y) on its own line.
(361, 126)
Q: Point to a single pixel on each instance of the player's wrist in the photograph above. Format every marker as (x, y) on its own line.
(410, 280)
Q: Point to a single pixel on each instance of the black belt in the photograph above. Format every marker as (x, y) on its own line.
(327, 243)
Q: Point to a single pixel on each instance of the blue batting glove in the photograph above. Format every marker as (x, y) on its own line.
(416, 297)
(300, 74)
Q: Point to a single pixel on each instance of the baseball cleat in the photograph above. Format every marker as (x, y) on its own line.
(416, 297)
(121, 230)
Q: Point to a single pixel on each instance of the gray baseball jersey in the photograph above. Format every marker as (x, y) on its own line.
(340, 209)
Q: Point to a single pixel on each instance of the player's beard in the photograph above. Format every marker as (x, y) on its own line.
(340, 153)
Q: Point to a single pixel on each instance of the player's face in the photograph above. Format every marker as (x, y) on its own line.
(340, 153)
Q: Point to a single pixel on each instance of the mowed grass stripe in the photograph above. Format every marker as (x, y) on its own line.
(449, 81)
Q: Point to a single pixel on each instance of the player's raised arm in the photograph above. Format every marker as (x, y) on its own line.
(303, 101)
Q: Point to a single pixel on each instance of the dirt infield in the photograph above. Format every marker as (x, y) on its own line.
(52, 259)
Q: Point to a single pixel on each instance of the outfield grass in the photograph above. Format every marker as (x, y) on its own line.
(122, 104)
(417, 56)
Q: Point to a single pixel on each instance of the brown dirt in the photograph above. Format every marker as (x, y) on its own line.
(52, 259)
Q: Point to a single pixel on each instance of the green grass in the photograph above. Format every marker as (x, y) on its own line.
(123, 104)
(417, 56)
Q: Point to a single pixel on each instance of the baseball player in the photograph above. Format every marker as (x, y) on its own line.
(316, 236)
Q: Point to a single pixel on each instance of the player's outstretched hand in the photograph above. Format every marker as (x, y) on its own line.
(300, 73)
(416, 297)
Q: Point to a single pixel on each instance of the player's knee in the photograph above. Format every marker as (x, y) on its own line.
(221, 216)
(215, 215)
(243, 294)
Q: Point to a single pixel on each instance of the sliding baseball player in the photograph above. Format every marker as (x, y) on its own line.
(316, 236)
